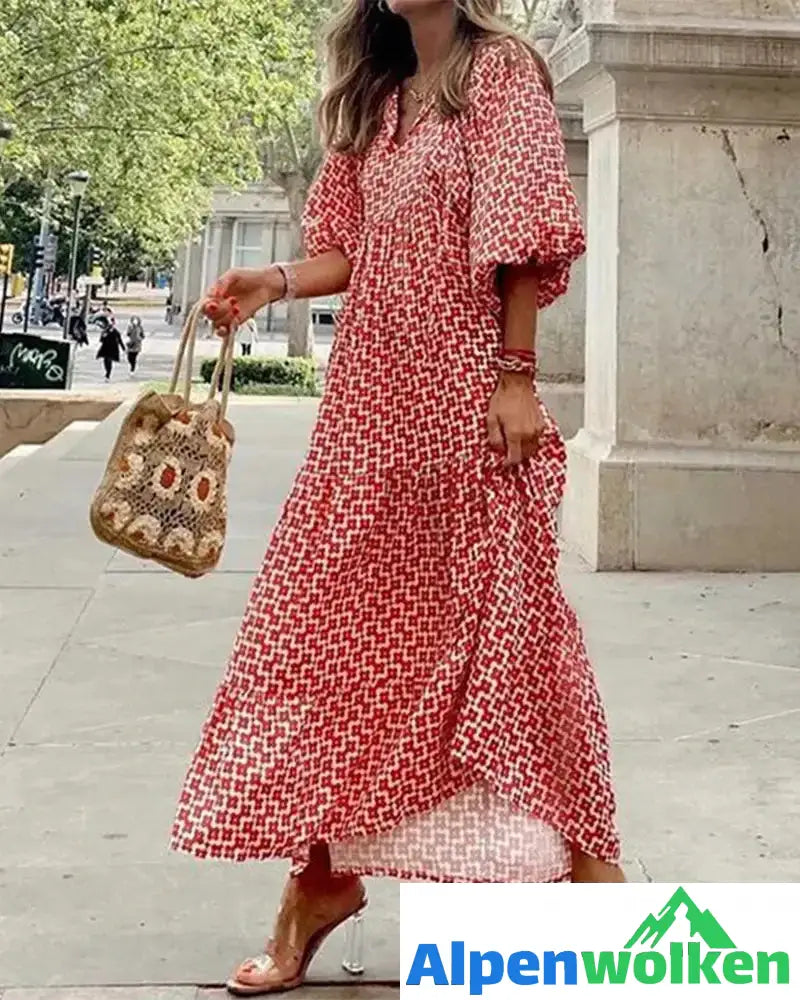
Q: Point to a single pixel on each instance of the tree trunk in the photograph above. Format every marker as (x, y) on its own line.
(299, 326)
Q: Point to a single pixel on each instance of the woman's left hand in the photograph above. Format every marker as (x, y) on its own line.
(515, 420)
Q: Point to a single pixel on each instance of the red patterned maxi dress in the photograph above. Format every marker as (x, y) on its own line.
(409, 683)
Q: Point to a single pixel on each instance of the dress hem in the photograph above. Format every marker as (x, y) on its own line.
(297, 854)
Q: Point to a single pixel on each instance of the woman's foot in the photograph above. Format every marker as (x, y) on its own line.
(309, 911)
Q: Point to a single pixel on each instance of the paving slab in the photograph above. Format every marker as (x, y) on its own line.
(106, 803)
(207, 642)
(328, 991)
(712, 809)
(738, 616)
(20, 685)
(324, 991)
(123, 606)
(103, 695)
(174, 923)
(35, 624)
(55, 562)
(105, 993)
(668, 695)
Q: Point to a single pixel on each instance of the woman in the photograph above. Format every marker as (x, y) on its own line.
(134, 338)
(409, 694)
(110, 347)
(247, 335)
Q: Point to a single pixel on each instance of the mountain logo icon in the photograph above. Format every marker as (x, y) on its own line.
(702, 924)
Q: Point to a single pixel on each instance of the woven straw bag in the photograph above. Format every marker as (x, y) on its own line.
(163, 495)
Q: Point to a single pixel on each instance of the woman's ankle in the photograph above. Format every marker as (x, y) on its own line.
(315, 881)
(589, 869)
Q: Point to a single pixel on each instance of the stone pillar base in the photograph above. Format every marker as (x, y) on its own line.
(682, 508)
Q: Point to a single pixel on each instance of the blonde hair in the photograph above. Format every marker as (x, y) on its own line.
(370, 53)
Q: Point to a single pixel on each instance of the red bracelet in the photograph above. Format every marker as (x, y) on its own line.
(518, 352)
(517, 362)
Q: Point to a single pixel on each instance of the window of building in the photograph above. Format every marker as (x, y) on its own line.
(211, 253)
(249, 249)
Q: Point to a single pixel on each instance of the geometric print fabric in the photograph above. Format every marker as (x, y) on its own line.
(409, 683)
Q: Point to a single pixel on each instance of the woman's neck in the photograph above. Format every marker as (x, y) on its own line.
(432, 31)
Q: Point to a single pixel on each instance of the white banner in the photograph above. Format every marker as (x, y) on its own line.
(580, 941)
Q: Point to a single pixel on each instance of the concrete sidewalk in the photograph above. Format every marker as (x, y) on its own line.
(107, 668)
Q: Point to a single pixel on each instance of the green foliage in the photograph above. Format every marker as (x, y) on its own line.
(291, 373)
(254, 389)
(288, 143)
(19, 216)
(159, 99)
(125, 251)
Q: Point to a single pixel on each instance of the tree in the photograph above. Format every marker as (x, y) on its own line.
(158, 99)
(289, 147)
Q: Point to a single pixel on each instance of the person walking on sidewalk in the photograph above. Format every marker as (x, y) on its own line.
(247, 335)
(111, 346)
(134, 338)
(409, 694)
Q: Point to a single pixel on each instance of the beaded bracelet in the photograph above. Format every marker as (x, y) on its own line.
(290, 281)
(516, 362)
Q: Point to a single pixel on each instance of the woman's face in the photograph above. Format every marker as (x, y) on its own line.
(410, 7)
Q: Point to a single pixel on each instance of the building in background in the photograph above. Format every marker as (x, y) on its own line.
(248, 228)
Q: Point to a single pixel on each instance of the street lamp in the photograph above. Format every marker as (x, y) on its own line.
(77, 181)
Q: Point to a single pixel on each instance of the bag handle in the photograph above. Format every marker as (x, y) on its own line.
(187, 341)
(184, 361)
(223, 369)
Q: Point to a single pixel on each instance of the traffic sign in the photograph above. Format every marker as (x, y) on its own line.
(50, 253)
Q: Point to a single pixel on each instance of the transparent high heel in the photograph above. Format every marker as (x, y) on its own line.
(353, 958)
(279, 970)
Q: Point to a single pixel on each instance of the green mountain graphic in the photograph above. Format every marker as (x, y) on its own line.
(702, 924)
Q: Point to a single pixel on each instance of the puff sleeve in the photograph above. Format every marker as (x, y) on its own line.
(523, 205)
(333, 212)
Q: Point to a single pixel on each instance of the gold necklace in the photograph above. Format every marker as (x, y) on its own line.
(420, 96)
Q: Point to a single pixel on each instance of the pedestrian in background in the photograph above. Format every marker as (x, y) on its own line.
(247, 335)
(134, 337)
(409, 694)
(111, 346)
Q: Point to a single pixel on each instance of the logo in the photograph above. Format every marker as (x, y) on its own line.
(681, 944)
(706, 954)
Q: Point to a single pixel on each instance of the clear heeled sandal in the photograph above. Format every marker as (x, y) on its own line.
(353, 957)
(284, 966)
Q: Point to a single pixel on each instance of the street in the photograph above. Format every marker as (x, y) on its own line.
(158, 353)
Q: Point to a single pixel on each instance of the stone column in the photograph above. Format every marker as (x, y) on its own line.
(224, 244)
(560, 341)
(689, 456)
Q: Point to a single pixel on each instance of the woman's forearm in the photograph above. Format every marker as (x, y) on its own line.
(519, 292)
(316, 277)
(241, 292)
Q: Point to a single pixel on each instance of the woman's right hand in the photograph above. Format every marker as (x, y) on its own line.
(239, 294)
